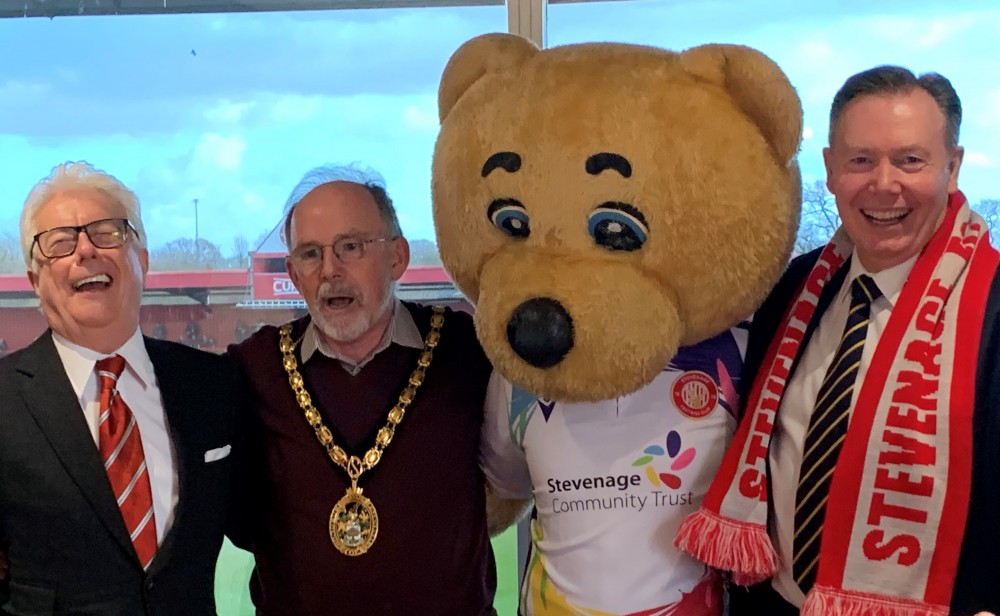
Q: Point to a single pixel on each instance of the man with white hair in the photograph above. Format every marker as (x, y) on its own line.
(367, 413)
(115, 465)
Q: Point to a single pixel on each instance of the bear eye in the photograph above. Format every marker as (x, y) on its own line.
(509, 216)
(618, 226)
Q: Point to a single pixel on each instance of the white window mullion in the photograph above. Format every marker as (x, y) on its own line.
(527, 18)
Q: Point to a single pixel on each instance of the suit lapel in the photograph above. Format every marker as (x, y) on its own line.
(50, 399)
(176, 400)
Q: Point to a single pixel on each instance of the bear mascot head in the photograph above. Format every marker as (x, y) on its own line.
(604, 204)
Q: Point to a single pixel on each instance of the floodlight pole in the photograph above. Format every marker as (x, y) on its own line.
(197, 248)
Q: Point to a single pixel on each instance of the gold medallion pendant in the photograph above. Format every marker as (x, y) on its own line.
(353, 523)
(353, 520)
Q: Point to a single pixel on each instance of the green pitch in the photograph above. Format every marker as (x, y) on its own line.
(233, 571)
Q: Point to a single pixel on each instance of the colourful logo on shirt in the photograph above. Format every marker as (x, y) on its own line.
(679, 459)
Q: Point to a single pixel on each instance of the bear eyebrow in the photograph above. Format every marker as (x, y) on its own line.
(609, 160)
(508, 161)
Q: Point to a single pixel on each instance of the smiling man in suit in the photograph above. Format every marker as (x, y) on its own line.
(864, 477)
(115, 449)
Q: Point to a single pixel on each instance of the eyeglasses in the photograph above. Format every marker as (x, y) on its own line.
(61, 241)
(348, 250)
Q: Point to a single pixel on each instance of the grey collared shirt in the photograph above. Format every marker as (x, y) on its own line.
(402, 330)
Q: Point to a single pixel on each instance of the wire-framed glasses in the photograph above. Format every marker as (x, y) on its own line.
(347, 249)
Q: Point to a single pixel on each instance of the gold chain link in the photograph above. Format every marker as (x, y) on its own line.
(354, 465)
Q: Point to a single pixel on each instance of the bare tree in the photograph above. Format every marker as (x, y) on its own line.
(241, 252)
(261, 238)
(989, 209)
(424, 252)
(819, 217)
(11, 261)
(184, 254)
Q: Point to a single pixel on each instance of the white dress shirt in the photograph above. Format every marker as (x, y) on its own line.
(138, 388)
(800, 397)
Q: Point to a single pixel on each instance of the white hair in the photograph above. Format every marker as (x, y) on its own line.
(355, 173)
(74, 176)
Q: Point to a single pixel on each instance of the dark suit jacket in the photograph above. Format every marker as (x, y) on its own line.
(977, 586)
(60, 526)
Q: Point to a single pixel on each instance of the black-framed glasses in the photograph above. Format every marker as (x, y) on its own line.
(347, 249)
(61, 241)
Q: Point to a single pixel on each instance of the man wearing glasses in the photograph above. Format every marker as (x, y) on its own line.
(367, 415)
(115, 465)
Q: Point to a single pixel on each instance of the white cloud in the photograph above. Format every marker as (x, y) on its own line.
(68, 75)
(215, 151)
(992, 108)
(815, 51)
(295, 108)
(228, 111)
(807, 132)
(978, 159)
(420, 118)
(920, 32)
(28, 90)
(254, 202)
(160, 174)
(943, 30)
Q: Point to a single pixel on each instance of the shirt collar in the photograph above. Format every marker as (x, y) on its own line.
(402, 330)
(889, 281)
(79, 361)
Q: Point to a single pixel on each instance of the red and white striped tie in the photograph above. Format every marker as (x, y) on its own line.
(121, 451)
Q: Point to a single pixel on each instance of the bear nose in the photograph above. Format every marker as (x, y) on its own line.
(541, 332)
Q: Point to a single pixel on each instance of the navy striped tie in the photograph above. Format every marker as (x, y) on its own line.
(827, 430)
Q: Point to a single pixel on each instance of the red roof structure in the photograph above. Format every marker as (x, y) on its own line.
(209, 309)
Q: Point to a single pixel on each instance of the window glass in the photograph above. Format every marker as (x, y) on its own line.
(211, 119)
(819, 44)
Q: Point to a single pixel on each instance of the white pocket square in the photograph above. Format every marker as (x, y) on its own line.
(213, 455)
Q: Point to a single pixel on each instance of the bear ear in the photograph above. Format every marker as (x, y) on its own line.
(475, 58)
(759, 88)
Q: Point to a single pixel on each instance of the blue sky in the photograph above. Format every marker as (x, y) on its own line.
(232, 109)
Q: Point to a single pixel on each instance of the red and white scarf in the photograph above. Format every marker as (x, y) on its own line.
(900, 492)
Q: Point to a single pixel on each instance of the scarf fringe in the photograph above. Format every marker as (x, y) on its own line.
(729, 545)
(825, 601)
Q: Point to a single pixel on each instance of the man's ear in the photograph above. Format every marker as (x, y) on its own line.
(292, 274)
(954, 164)
(828, 163)
(33, 279)
(400, 257)
(144, 263)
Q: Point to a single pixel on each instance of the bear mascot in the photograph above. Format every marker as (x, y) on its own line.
(613, 211)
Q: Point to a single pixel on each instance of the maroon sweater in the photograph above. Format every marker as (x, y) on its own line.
(432, 555)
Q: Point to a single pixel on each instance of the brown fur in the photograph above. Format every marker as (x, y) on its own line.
(711, 134)
(502, 513)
